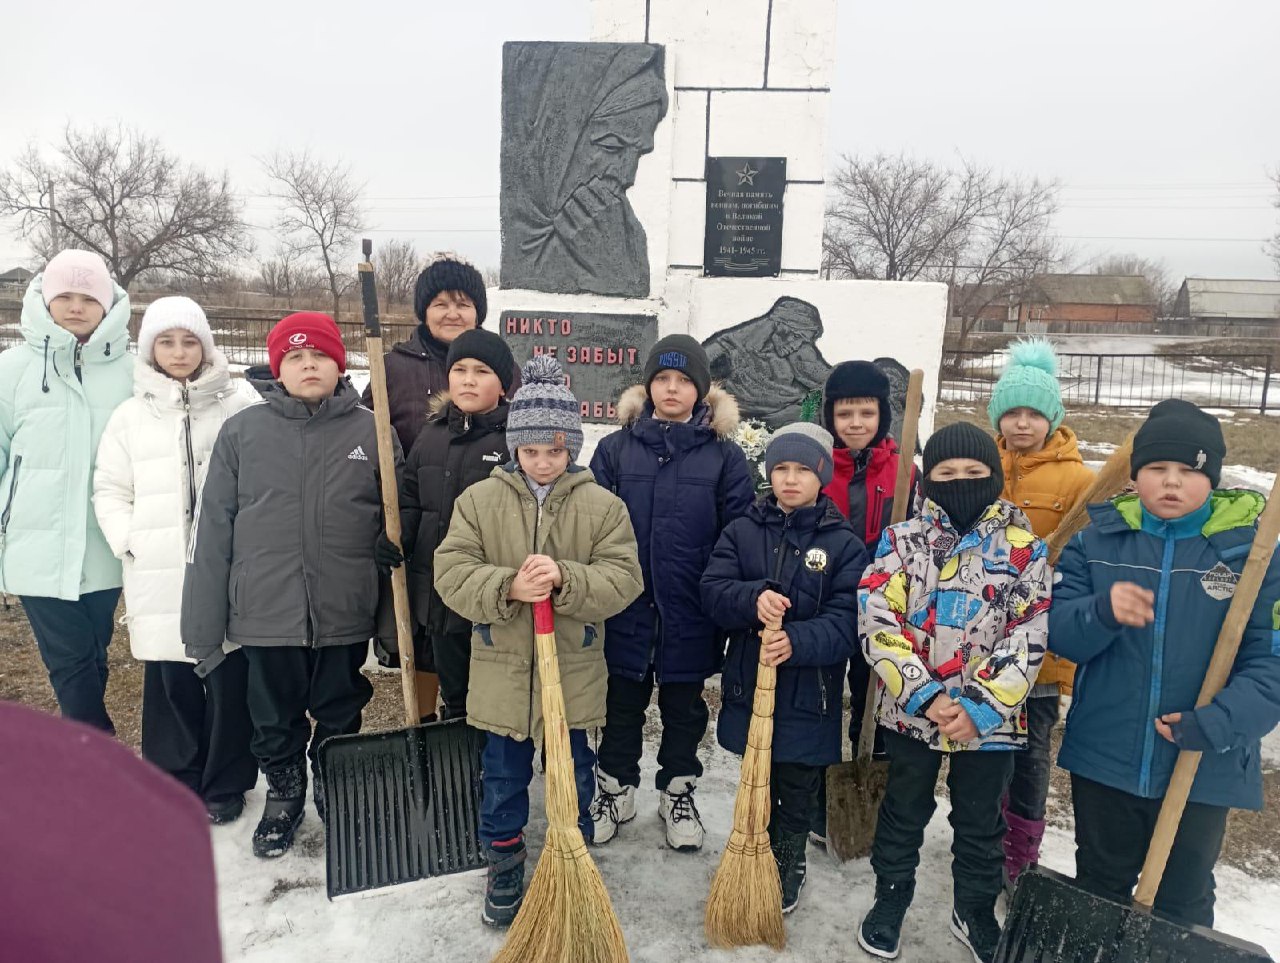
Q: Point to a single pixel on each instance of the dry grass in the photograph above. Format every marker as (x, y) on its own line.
(1252, 439)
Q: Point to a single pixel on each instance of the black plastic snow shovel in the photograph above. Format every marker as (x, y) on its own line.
(400, 805)
(856, 788)
(1051, 920)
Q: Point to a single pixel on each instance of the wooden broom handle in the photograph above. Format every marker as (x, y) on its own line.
(901, 498)
(1224, 657)
(390, 494)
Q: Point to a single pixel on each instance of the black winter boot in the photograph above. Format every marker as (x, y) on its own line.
(976, 928)
(789, 851)
(286, 796)
(504, 886)
(226, 809)
(881, 928)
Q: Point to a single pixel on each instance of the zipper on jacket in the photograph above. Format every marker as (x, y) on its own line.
(191, 458)
(1157, 665)
(78, 369)
(13, 489)
(306, 584)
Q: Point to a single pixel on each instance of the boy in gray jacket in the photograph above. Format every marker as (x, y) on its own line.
(283, 563)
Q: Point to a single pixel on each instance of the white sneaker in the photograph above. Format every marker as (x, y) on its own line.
(614, 805)
(678, 812)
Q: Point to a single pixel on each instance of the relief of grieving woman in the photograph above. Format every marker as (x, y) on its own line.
(772, 362)
(576, 119)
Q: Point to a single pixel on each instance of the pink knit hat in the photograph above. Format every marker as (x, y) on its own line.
(78, 272)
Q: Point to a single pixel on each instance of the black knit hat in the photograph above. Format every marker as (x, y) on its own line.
(857, 379)
(680, 353)
(1177, 430)
(487, 347)
(447, 274)
(962, 440)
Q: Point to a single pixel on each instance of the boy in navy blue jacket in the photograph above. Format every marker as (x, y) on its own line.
(792, 557)
(683, 479)
(1142, 595)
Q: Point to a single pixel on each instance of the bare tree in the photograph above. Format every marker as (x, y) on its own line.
(321, 211)
(1156, 274)
(121, 194)
(899, 219)
(288, 274)
(1273, 246)
(395, 264)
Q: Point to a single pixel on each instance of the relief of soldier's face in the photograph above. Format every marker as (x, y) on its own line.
(617, 143)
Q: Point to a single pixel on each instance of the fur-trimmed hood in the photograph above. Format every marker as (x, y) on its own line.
(719, 410)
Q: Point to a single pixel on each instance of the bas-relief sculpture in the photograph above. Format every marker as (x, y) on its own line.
(772, 362)
(576, 119)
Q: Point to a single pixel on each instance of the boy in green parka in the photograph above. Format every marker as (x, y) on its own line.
(538, 527)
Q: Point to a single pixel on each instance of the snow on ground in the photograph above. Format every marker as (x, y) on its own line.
(277, 910)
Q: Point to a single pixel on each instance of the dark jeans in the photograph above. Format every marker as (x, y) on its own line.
(198, 730)
(73, 639)
(288, 681)
(794, 787)
(684, 723)
(1029, 788)
(507, 770)
(452, 658)
(977, 781)
(1113, 830)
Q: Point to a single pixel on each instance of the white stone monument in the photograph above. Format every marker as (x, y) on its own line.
(747, 78)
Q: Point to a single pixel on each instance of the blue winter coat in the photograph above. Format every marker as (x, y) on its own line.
(682, 484)
(1127, 677)
(813, 557)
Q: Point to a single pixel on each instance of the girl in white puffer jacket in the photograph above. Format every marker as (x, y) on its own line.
(151, 465)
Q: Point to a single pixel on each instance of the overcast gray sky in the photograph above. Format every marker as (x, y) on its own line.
(1160, 119)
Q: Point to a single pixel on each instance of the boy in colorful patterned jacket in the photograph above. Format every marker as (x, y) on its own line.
(953, 616)
(1141, 597)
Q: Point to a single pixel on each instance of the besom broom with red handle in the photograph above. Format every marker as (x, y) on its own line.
(566, 916)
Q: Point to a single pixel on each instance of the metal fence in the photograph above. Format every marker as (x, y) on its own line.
(242, 336)
(1125, 380)
(1115, 380)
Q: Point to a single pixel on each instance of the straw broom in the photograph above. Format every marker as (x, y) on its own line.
(1112, 479)
(745, 904)
(566, 916)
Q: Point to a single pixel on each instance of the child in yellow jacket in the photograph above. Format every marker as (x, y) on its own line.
(1044, 476)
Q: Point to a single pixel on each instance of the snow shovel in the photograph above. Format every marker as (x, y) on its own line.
(855, 789)
(400, 805)
(1051, 919)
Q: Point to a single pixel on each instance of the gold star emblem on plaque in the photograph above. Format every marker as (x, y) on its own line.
(746, 175)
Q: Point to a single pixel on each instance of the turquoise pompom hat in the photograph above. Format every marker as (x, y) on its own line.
(1029, 381)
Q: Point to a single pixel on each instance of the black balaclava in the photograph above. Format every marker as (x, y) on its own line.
(964, 499)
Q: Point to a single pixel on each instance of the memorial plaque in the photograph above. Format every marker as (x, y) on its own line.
(743, 237)
(602, 354)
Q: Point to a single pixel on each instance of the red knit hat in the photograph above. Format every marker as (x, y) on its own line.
(305, 329)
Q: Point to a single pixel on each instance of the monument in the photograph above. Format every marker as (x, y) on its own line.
(629, 163)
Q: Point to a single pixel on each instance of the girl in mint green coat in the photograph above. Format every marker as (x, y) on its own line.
(56, 393)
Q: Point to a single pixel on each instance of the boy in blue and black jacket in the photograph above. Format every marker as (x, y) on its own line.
(793, 558)
(683, 479)
(1142, 595)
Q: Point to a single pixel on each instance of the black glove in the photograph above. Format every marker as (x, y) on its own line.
(386, 555)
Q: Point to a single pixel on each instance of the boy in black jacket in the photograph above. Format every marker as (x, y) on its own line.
(793, 557)
(282, 562)
(462, 442)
